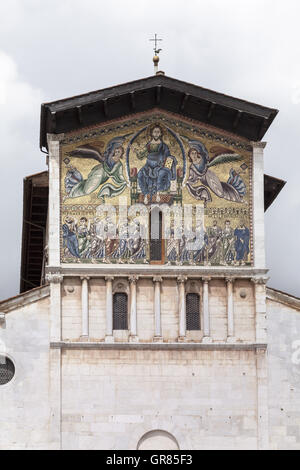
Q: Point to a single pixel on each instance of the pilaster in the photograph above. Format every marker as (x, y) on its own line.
(258, 205)
(54, 199)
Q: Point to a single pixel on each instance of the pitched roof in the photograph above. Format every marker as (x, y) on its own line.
(24, 298)
(242, 117)
(284, 298)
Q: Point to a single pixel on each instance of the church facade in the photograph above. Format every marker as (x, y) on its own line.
(144, 320)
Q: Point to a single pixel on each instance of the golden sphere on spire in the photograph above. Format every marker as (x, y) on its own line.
(156, 59)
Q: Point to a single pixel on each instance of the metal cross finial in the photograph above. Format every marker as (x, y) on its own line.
(156, 39)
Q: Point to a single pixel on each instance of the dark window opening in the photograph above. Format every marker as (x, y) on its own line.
(156, 249)
(7, 370)
(192, 312)
(120, 311)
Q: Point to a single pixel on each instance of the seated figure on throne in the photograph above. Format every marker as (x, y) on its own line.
(160, 168)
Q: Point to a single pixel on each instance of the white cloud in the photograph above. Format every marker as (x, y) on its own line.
(19, 156)
(247, 49)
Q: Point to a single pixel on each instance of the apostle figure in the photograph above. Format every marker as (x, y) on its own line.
(242, 240)
(214, 243)
(160, 168)
(70, 241)
(228, 240)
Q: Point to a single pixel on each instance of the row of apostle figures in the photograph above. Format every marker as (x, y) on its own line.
(220, 245)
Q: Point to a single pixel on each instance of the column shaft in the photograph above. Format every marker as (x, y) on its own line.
(109, 309)
(182, 308)
(85, 307)
(230, 311)
(157, 310)
(206, 316)
(133, 308)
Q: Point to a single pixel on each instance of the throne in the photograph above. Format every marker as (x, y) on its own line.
(172, 196)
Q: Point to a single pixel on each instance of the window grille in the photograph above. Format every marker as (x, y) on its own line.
(7, 370)
(120, 311)
(192, 312)
(156, 235)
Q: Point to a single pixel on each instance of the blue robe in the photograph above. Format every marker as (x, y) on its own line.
(242, 243)
(153, 176)
(70, 241)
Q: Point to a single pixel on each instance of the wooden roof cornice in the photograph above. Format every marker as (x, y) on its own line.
(235, 115)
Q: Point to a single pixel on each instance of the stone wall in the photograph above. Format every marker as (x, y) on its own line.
(205, 399)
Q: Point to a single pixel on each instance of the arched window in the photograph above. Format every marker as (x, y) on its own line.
(158, 440)
(192, 311)
(120, 311)
(7, 370)
(156, 239)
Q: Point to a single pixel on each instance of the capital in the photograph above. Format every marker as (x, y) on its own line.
(181, 279)
(133, 279)
(258, 145)
(56, 278)
(229, 279)
(206, 279)
(84, 278)
(55, 137)
(157, 279)
(260, 280)
(109, 278)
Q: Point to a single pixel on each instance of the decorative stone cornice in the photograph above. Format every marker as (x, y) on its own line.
(55, 278)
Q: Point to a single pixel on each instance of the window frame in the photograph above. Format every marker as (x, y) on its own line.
(195, 314)
(127, 319)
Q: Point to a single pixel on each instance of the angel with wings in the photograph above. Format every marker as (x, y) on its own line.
(201, 178)
(109, 168)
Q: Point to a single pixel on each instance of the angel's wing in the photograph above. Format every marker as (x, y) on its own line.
(87, 151)
(115, 142)
(224, 158)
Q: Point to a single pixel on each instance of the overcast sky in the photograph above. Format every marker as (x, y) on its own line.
(59, 48)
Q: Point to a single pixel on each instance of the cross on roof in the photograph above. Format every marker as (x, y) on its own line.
(156, 40)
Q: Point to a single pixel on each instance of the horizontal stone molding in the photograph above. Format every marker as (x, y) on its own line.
(148, 271)
(161, 346)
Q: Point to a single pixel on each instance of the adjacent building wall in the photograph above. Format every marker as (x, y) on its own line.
(24, 409)
(284, 375)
